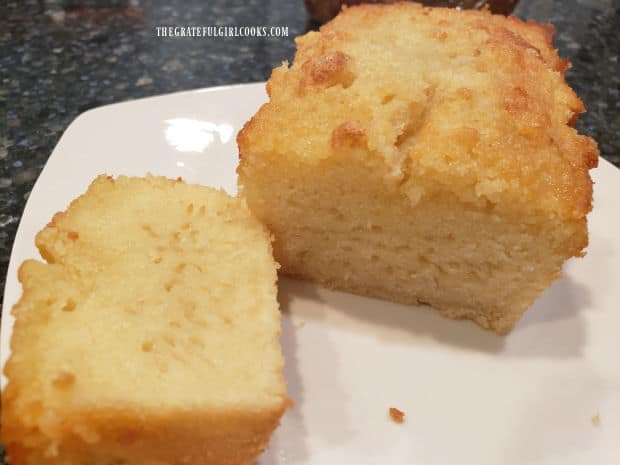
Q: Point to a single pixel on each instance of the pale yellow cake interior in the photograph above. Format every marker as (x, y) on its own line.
(156, 316)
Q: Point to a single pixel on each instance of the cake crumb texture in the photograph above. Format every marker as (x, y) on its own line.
(423, 155)
(150, 334)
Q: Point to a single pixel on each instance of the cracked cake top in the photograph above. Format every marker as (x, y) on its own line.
(436, 100)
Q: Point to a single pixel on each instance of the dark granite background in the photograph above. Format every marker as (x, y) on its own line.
(61, 58)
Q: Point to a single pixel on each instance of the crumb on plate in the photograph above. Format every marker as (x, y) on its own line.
(397, 416)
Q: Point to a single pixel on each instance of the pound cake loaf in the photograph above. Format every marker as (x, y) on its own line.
(150, 336)
(423, 155)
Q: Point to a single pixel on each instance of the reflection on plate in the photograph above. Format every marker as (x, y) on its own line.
(549, 393)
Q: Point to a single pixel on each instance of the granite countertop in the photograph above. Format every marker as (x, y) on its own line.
(61, 58)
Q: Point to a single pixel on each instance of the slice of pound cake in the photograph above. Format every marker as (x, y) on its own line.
(423, 155)
(150, 336)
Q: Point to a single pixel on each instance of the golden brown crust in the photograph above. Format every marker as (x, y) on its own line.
(348, 133)
(97, 436)
(460, 100)
(328, 70)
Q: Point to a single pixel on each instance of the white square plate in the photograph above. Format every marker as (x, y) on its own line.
(470, 397)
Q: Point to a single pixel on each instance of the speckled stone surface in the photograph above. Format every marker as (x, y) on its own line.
(61, 58)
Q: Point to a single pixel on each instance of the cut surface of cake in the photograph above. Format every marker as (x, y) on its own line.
(423, 155)
(150, 336)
